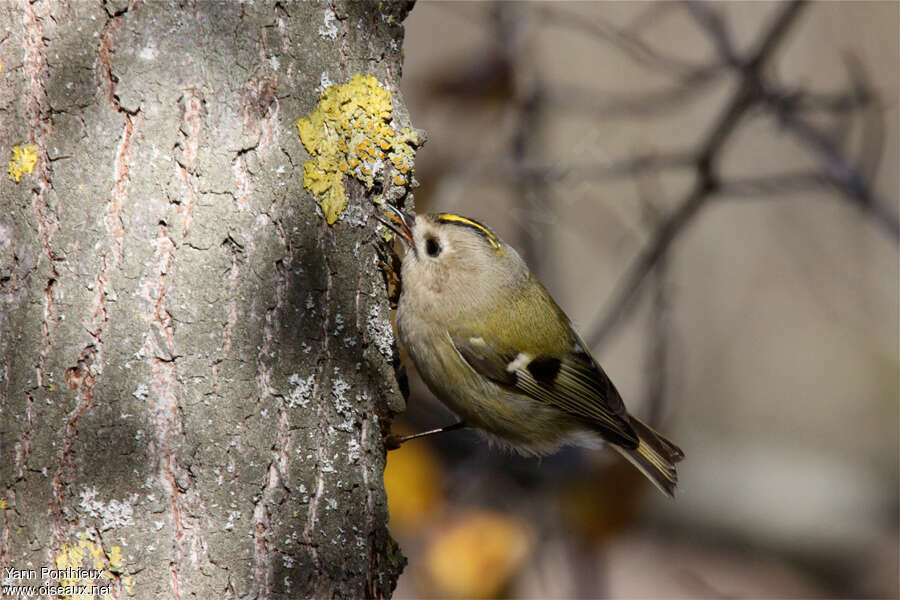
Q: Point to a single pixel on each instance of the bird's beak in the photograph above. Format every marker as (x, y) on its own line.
(398, 221)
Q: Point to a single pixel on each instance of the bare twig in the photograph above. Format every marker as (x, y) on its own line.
(658, 345)
(745, 97)
(621, 169)
(839, 103)
(873, 120)
(713, 24)
(656, 361)
(529, 113)
(626, 293)
(631, 45)
(651, 15)
(843, 173)
(773, 186)
(609, 105)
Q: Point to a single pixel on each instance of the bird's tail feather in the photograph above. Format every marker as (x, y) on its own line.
(655, 457)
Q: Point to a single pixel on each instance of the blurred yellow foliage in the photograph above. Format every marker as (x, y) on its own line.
(605, 503)
(412, 479)
(475, 556)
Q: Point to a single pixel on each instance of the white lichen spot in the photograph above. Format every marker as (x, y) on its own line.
(274, 63)
(301, 392)
(329, 28)
(232, 515)
(117, 514)
(330, 504)
(142, 392)
(339, 389)
(354, 215)
(353, 451)
(380, 331)
(287, 560)
(89, 502)
(112, 514)
(148, 52)
(338, 323)
(324, 82)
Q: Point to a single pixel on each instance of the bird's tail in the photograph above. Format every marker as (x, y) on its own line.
(655, 456)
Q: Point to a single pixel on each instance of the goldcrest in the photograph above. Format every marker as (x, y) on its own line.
(494, 347)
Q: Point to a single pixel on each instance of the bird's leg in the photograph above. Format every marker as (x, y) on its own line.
(392, 442)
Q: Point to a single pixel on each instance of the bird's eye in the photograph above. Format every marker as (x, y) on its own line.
(432, 247)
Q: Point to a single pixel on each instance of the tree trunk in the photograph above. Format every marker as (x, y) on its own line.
(196, 368)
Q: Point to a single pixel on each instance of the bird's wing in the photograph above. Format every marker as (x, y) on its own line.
(574, 383)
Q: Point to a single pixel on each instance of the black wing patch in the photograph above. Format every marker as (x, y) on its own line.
(574, 384)
(544, 369)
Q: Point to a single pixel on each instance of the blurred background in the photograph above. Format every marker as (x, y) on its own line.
(710, 191)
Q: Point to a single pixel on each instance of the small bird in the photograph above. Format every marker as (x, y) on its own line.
(494, 347)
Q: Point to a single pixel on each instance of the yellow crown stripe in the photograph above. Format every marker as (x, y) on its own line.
(451, 218)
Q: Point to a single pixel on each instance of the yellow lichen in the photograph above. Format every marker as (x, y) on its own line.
(109, 565)
(3, 504)
(69, 557)
(350, 133)
(115, 560)
(22, 162)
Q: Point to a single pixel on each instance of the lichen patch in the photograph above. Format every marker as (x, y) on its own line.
(87, 563)
(23, 160)
(352, 133)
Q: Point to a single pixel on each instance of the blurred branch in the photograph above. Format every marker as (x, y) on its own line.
(794, 108)
(630, 167)
(656, 361)
(873, 122)
(851, 178)
(842, 173)
(658, 340)
(839, 103)
(712, 23)
(617, 104)
(706, 170)
(654, 12)
(626, 293)
(528, 104)
(630, 44)
(770, 186)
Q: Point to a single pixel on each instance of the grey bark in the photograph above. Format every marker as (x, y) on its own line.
(195, 367)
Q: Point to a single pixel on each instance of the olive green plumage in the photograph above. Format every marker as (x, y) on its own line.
(492, 345)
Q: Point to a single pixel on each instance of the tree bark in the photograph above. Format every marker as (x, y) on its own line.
(196, 368)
